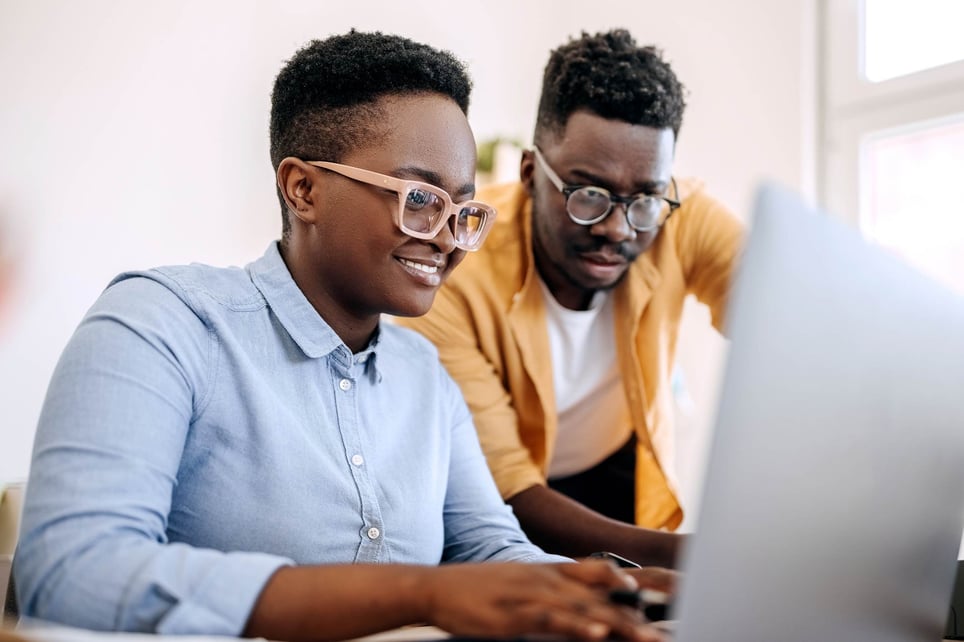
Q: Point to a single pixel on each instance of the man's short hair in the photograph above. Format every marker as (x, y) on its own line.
(324, 101)
(611, 76)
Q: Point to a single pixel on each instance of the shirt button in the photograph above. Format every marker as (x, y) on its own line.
(373, 533)
(358, 460)
(344, 384)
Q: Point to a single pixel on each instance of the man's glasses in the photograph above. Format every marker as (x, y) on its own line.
(588, 204)
(423, 208)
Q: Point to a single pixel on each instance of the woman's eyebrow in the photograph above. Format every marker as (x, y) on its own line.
(434, 178)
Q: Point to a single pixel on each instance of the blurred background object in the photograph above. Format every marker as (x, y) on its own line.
(7, 264)
(11, 507)
(498, 160)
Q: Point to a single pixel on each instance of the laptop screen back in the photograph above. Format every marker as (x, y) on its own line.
(833, 501)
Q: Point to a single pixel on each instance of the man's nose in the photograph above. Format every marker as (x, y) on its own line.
(615, 226)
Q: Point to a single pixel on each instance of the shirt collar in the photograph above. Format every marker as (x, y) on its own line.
(368, 358)
(296, 314)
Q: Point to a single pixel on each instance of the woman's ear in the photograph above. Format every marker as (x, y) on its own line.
(295, 179)
(526, 169)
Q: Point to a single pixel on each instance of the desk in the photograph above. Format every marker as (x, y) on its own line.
(34, 632)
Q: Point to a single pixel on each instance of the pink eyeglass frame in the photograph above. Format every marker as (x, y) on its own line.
(402, 187)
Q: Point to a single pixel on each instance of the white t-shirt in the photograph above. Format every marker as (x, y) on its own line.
(594, 419)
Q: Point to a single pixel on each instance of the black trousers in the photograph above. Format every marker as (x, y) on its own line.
(609, 487)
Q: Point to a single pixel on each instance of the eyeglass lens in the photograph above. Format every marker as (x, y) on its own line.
(592, 203)
(423, 209)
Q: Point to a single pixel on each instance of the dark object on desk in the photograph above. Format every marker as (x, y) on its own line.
(653, 604)
(10, 609)
(955, 618)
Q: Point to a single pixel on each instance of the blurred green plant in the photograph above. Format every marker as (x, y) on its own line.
(486, 151)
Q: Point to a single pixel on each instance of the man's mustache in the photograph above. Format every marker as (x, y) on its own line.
(624, 250)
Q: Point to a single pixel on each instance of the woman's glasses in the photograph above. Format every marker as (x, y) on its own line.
(424, 208)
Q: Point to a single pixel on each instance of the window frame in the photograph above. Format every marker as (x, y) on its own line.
(855, 108)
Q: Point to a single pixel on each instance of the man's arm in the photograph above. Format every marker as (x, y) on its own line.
(564, 526)
(709, 239)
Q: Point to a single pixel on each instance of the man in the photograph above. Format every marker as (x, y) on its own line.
(229, 451)
(562, 331)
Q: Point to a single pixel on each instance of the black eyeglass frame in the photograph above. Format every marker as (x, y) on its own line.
(568, 190)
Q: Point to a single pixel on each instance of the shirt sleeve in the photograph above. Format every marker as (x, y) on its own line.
(709, 239)
(93, 551)
(479, 526)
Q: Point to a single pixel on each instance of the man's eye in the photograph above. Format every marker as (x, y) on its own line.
(593, 195)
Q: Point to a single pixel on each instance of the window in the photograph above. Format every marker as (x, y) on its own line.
(893, 123)
(912, 195)
(901, 37)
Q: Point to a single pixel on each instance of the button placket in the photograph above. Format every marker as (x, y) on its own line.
(348, 385)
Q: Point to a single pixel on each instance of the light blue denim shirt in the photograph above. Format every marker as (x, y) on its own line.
(205, 426)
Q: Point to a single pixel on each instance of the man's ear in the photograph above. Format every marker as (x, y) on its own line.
(526, 169)
(295, 180)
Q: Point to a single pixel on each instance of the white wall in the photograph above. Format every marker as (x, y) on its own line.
(134, 134)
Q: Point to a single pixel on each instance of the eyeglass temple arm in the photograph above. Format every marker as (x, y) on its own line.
(674, 204)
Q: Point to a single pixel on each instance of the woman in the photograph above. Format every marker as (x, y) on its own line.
(250, 451)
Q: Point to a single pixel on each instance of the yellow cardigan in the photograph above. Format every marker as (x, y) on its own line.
(488, 322)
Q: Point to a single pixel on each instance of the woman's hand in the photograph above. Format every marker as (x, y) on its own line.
(514, 599)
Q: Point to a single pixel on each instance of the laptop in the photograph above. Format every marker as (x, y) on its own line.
(833, 501)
